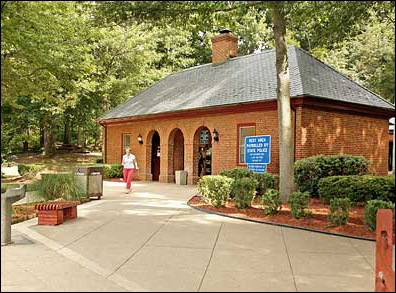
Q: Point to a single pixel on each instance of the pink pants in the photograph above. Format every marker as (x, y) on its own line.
(128, 174)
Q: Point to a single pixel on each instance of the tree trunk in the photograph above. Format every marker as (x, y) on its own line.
(286, 145)
(67, 132)
(78, 136)
(49, 141)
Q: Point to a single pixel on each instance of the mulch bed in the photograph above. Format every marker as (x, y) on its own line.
(354, 227)
(24, 212)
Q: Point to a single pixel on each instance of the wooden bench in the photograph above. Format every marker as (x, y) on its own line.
(56, 212)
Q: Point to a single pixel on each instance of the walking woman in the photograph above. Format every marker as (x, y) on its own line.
(130, 165)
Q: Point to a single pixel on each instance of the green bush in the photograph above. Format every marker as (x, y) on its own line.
(3, 188)
(112, 171)
(298, 203)
(265, 181)
(29, 171)
(271, 202)
(370, 211)
(357, 188)
(53, 186)
(309, 171)
(339, 211)
(245, 190)
(99, 161)
(215, 190)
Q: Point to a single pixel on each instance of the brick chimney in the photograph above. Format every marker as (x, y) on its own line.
(224, 46)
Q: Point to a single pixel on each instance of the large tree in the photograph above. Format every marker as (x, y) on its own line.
(327, 21)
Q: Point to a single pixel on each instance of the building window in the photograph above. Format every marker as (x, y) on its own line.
(126, 142)
(243, 131)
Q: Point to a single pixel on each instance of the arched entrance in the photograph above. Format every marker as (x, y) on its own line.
(176, 153)
(155, 156)
(202, 157)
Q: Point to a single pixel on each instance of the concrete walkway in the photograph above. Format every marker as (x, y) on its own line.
(150, 240)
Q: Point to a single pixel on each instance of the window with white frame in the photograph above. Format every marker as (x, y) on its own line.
(126, 142)
(243, 132)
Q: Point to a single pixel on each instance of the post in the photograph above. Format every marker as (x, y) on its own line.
(384, 274)
(7, 198)
(393, 151)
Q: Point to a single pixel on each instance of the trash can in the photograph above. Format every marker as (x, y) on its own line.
(181, 177)
(91, 178)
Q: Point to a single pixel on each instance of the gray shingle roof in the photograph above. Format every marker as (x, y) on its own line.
(244, 79)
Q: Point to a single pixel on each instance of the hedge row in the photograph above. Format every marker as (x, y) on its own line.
(309, 171)
(357, 188)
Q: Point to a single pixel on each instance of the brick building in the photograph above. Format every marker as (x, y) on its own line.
(196, 119)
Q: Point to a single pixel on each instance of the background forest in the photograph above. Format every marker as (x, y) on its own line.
(65, 63)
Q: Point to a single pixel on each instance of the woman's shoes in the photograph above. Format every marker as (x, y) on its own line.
(128, 191)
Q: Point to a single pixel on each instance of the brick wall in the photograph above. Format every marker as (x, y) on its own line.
(224, 152)
(318, 131)
(333, 132)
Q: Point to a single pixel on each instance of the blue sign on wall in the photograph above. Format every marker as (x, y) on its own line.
(257, 168)
(258, 149)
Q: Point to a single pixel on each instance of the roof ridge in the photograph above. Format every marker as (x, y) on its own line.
(231, 59)
(343, 75)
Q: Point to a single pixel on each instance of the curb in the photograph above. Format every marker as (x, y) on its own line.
(280, 225)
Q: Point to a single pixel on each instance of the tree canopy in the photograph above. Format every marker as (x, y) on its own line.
(64, 63)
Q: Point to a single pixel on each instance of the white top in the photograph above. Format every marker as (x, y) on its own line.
(129, 161)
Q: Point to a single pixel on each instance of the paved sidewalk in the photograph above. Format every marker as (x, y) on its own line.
(150, 240)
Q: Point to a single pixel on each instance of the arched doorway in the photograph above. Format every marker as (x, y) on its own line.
(202, 156)
(155, 156)
(176, 153)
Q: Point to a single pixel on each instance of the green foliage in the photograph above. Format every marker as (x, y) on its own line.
(245, 191)
(339, 211)
(298, 203)
(29, 171)
(99, 161)
(215, 190)
(3, 188)
(309, 171)
(265, 181)
(370, 211)
(112, 171)
(271, 202)
(357, 188)
(54, 186)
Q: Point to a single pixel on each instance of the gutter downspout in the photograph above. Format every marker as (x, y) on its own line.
(105, 142)
(393, 151)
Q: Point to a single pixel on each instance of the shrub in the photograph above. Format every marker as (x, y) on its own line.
(53, 186)
(215, 190)
(29, 171)
(237, 173)
(298, 203)
(271, 202)
(339, 211)
(112, 171)
(309, 171)
(245, 190)
(3, 188)
(370, 211)
(357, 188)
(99, 161)
(265, 181)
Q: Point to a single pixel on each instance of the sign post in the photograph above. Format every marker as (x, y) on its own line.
(258, 152)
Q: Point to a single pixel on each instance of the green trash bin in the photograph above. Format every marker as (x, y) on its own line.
(91, 178)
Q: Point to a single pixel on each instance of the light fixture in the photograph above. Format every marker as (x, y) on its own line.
(215, 135)
(140, 138)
